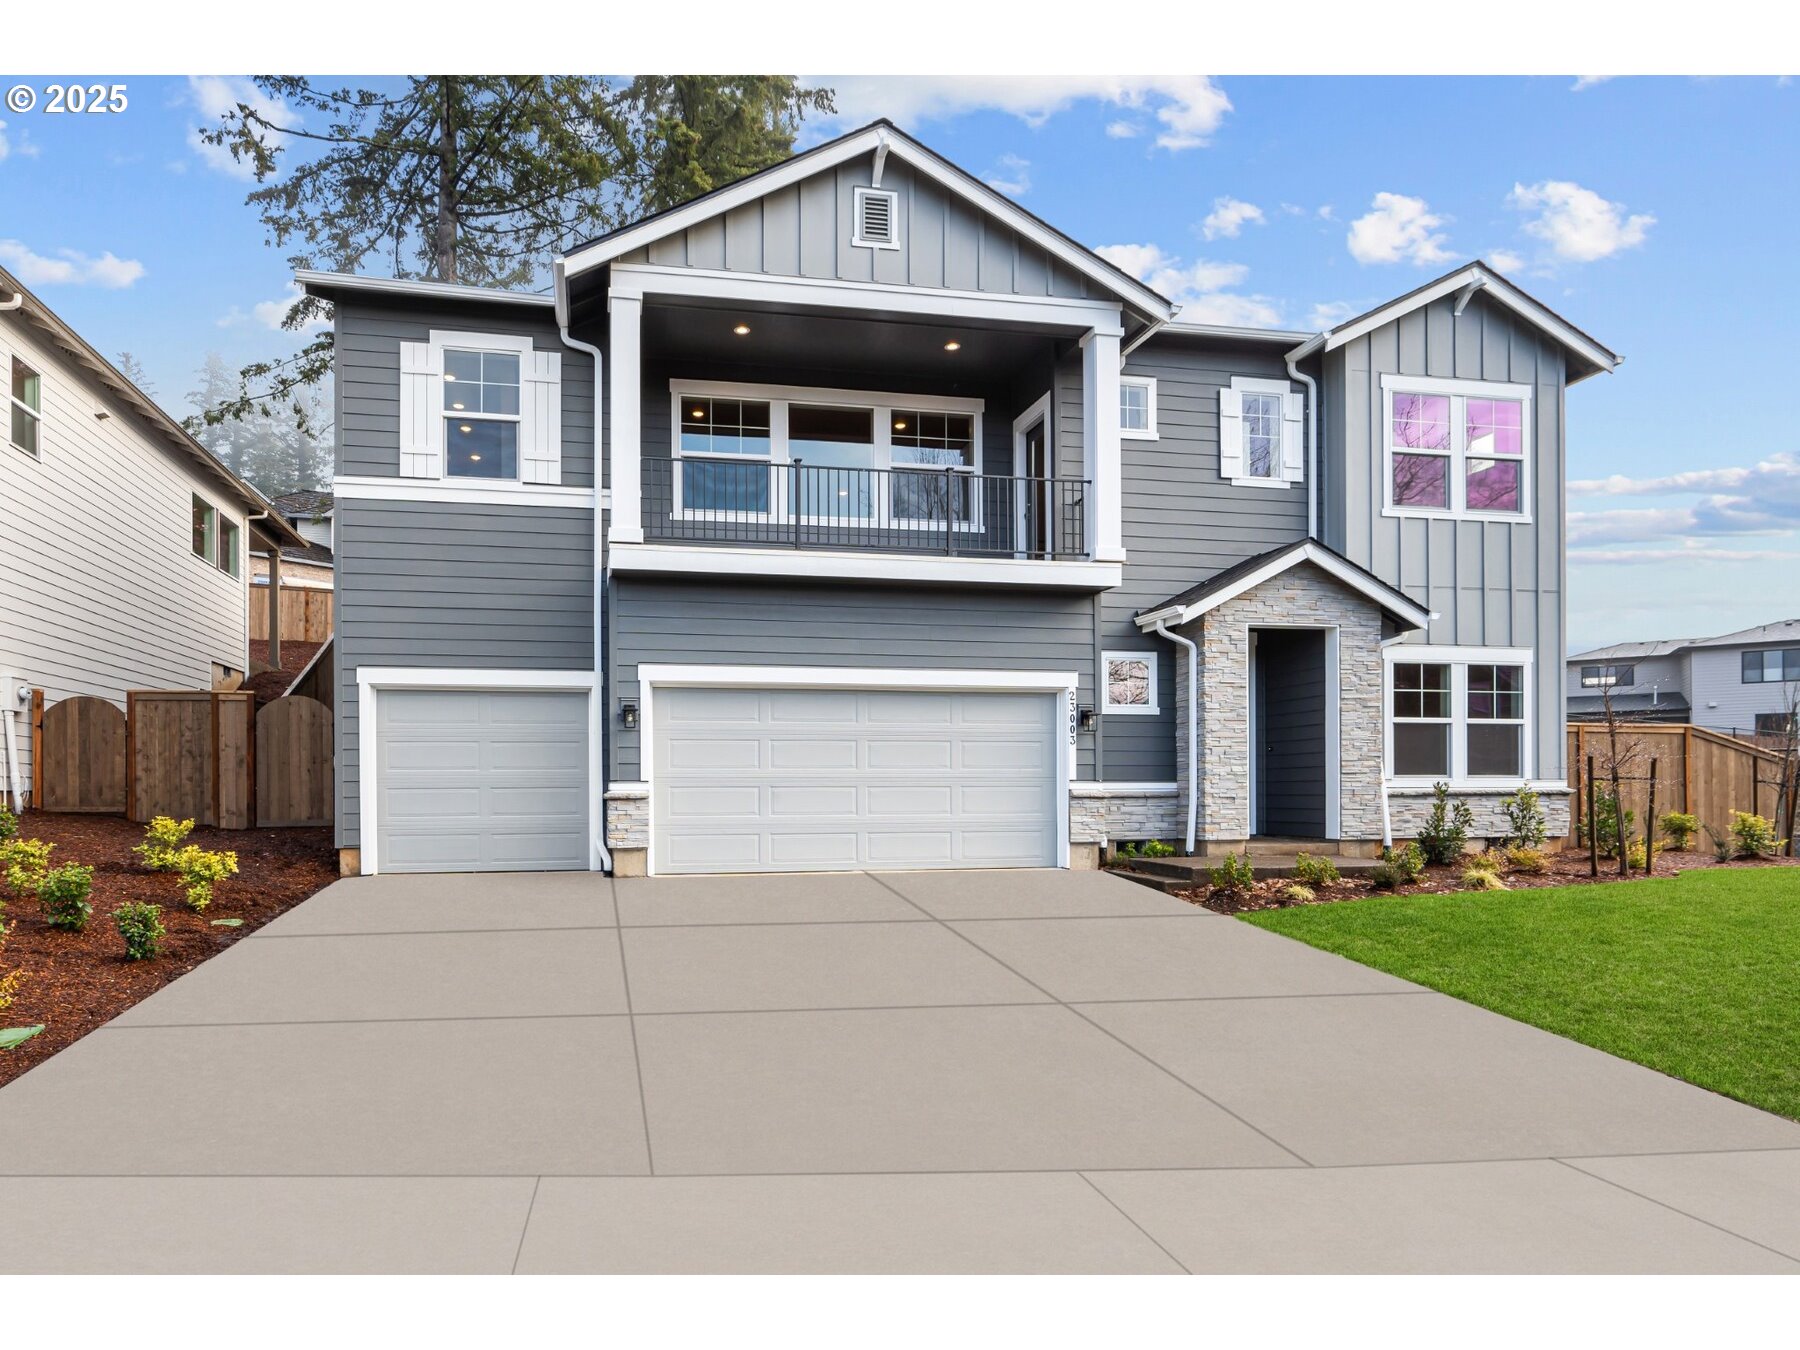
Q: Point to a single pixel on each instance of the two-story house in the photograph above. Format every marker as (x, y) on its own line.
(1744, 683)
(122, 539)
(850, 516)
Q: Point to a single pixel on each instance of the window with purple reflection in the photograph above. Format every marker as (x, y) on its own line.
(1493, 485)
(1422, 422)
(1495, 426)
(1422, 480)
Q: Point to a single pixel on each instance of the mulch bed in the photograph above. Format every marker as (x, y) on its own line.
(272, 684)
(77, 981)
(1569, 868)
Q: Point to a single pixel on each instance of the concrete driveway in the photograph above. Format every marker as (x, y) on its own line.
(1012, 1071)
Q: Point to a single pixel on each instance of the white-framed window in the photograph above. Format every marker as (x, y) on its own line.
(1137, 407)
(27, 408)
(1460, 715)
(1456, 448)
(824, 457)
(217, 539)
(1608, 677)
(229, 553)
(206, 529)
(481, 413)
(1261, 441)
(1771, 665)
(876, 218)
(1129, 682)
(480, 408)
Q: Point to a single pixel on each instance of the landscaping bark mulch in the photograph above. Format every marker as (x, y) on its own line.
(1565, 869)
(75, 982)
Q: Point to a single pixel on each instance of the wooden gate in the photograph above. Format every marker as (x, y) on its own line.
(78, 755)
(191, 754)
(1700, 772)
(293, 762)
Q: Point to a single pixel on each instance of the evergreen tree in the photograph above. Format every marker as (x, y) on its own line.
(217, 387)
(133, 369)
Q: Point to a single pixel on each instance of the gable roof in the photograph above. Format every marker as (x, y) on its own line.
(1254, 571)
(1780, 631)
(1474, 276)
(1633, 651)
(869, 140)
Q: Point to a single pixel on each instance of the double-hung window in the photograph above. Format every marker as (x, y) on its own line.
(481, 414)
(215, 537)
(27, 405)
(1458, 715)
(1772, 665)
(1260, 442)
(1457, 448)
(1608, 677)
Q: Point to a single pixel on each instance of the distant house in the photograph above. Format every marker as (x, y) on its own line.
(309, 564)
(125, 563)
(1743, 682)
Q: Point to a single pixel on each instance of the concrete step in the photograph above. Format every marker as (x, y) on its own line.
(1263, 866)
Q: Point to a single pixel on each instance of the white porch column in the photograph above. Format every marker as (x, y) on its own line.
(1100, 443)
(626, 441)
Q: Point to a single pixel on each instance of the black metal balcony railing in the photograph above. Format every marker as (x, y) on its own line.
(756, 503)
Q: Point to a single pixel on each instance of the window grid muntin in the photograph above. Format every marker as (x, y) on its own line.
(1426, 438)
(1404, 677)
(1262, 419)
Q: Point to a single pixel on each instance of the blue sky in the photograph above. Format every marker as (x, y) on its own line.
(1654, 213)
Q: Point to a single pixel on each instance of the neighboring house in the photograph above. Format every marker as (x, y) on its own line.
(1745, 683)
(309, 563)
(851, 517)
(124, 538)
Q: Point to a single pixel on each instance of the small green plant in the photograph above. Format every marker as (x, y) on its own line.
(9, 824)
(1753, 836)
(1605, 824)
(162, 837)
(140, 923)
(1635, 858)
(1126, 850)
(1408, 861)
(11, 981)
(1446, 829)
(63, 896)
(1526, 826)
(1234, 875)
(1680, 829)
(26, 861)
(200, 869)
(1385, 876)
(1314, 871)
(1155, 848)
(1490, 861)
(1297, 894)
(1721, 845)
(1527, 860)
(1480, 879)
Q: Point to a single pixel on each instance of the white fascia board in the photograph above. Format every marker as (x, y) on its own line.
(1093, 788)
(1376, 592)
(853, 677)
(377, 488)
(637, 280)
(1177, 328)
(1441, 652)
(815, 565)
(435, 290)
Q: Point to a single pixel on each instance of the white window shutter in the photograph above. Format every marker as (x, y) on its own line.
(1231, 434)
(1293, 437)
(421, 416)
(540, 407)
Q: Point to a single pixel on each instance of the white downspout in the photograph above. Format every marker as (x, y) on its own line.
(1312, 443)
(1193, 727)
(13, 303)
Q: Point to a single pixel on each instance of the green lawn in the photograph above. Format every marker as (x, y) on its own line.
(1696, 975)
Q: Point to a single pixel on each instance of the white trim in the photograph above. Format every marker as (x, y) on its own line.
(624, 437)
(1284, 390)
(635, 281)
(1334, 745)
(436, 290)
(1096, 788)
(1065, 684)
(1111, 709)
(1102, 456)
(1377, 592)
(925, 568)
(371, 681)
(525, 420)
(851, 147)
(1459, 659)
(1148, 432)
(1456, 457)
(862, 194)
(356, 487)
(1039, 411)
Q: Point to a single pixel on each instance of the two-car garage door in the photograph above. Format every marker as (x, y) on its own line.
(794, 780)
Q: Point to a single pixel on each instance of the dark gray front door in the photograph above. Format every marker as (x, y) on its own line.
(1290, 721)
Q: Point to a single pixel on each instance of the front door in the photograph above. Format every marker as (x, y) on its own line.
(1036, 487)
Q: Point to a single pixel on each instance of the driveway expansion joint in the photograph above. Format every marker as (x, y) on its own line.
(1686, 1214)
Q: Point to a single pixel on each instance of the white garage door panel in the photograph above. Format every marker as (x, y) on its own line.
(480, 782)
(829, 780)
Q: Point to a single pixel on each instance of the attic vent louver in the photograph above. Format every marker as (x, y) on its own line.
(877, 223)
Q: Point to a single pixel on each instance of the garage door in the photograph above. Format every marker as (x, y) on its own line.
(482, 782)
(795, 780)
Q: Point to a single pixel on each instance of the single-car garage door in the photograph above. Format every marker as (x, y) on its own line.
(472, 781)
(795, 780)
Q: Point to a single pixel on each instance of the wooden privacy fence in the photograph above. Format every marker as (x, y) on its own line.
(208, 756)
(1699, 772)
(305, 613)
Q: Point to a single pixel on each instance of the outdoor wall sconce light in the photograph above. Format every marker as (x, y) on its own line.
(628, 714)
(1087, 718)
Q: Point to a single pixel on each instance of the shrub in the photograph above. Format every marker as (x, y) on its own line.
(9, 824)
(1490, 861)
(1635, 858)
(140, 923)
(200, 869)
(1722, 845)
(1480, 879)
(1408, 861)
(1526, 826)
(1752, 836)
(1155, 848)
(1315, 871)
(26, 861)
(1528, 860)
(1680, 829)
(1446, 828)
(1126, 850)
(1605, 824)
(11, 980)
(161, 839)
(63, 896)
(1297, 894)
(1385, 876)
(1234, 875)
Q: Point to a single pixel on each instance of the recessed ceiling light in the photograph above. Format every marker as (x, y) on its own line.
(742, 330)
(900, 425)
(474, 459)
(449, 378)
(456, 407)
(953, 346)
(465, 428)
(698, 412)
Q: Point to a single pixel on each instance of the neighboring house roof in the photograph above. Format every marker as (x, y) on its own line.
(1782, 630)
(877, 138)
(1632, 651)
(1637, 707)
(162, 426)
(1254, 571)
(308, 504)
(1473, 277)
(318, 554)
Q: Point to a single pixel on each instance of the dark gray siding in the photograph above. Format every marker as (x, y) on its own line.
(776, 624)
(1490, 583)
(1182, 523)
(804, 230)
(1290, 733)
(368, 337)
(429, 584)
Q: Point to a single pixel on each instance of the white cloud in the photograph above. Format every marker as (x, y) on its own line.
(1761, 499)
(271, 314)
(1199, 287)
(68, 267)
(1122, 130)
(1189, 108)
(213, 96)
(1589, 81)
(1398, 229)
(1013, 177)
(1233, 311)
(1577, 223)
(1328, 313)
(1228, 218)
(1506, 260)
(1325, 212)
(16, 143)
(1684, 553)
